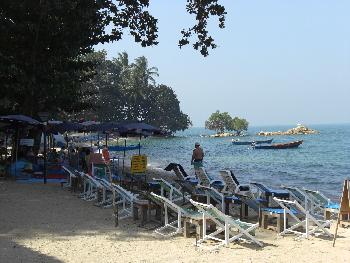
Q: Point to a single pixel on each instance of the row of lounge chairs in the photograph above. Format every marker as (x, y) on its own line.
(204, 202)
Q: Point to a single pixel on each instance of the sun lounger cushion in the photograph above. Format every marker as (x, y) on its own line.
(233, 199)
(332, 206)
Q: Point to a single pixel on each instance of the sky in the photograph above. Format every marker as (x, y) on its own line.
(278, 62)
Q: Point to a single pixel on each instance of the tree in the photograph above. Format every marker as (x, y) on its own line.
(218, 122)
(164, 110)
(238, 125)
(128, 91)
(41, 43)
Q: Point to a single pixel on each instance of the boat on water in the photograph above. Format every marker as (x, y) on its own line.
(280, 145)
(118, 148)
(236, 142)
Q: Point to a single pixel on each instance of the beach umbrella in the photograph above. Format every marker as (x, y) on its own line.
(63, 127)
(137, 129)
(17, 121)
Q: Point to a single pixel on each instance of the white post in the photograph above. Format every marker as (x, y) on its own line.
(227, 232)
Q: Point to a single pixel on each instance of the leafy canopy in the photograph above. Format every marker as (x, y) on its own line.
(43, 44)
(128, 91)
(221, 122)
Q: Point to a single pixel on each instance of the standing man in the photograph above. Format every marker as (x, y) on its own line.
(197, 156)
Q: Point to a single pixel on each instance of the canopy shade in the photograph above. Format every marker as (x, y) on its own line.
(20, 119)
(64, 127)
(138, 128)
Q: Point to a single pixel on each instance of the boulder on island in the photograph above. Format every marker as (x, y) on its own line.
(300, 129)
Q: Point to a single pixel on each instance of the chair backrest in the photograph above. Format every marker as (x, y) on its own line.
(178, 170)
(296, 193)
(92, 180)
(186, 186)
(176, 193)
(125, 193)
(261, 187)
(166, 201)
(202, 177)
(213, 193)
(230, 184)
(318, 197)
(291, 207)
(210, 210)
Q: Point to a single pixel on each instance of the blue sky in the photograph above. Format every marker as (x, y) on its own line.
(277, 61)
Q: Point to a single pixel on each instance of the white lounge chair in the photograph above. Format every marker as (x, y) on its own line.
(172, 228)
(126, 199)
(302, 218)
(233, 229)
(180, 173)
(107, 193)
(232, 185)
(205, 180)
(174, 194)
(70, 178)
(91, 187)
(300, 196)
(321, 203)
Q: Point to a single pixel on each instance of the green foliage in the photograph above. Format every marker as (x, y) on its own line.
(128, 91)
(44, 47)
(238, 125)
(218, 122)
(202, 10)
(221, 122)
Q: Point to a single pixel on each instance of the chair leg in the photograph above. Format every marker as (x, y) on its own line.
(280, 223)
(186, 228)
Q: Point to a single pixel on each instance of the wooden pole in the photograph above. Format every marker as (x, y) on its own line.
(344, 206)
(336, 229)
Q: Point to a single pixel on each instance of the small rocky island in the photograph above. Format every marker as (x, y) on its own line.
(224, 134)
(300, 129)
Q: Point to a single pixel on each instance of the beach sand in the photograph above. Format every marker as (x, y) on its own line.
(46, 223)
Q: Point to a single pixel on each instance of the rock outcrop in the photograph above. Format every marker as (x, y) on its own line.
(300, 129)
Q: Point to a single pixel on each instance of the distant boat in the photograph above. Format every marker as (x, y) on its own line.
(250, 142)
(117, 148)
(280, 145)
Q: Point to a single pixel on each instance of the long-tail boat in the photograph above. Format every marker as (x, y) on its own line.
(280, 145)
(250, 142)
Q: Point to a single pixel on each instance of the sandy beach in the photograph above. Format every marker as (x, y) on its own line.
(46, 223)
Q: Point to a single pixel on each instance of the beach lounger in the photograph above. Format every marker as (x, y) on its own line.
(321, 203)
(205, 180)
(172, 228)
(107, 193)
(91, 187)
(70, 178)
(222, 199)
(300, 196)
(232, 185)
(181, 173)
(170, 191)
(303, 219)
(263, 212)
(126, 199)
(265, 193)
(233, 229)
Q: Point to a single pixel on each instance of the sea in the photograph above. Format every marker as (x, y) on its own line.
(322, 162)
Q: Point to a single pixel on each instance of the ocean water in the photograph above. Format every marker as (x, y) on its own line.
(322, 162)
